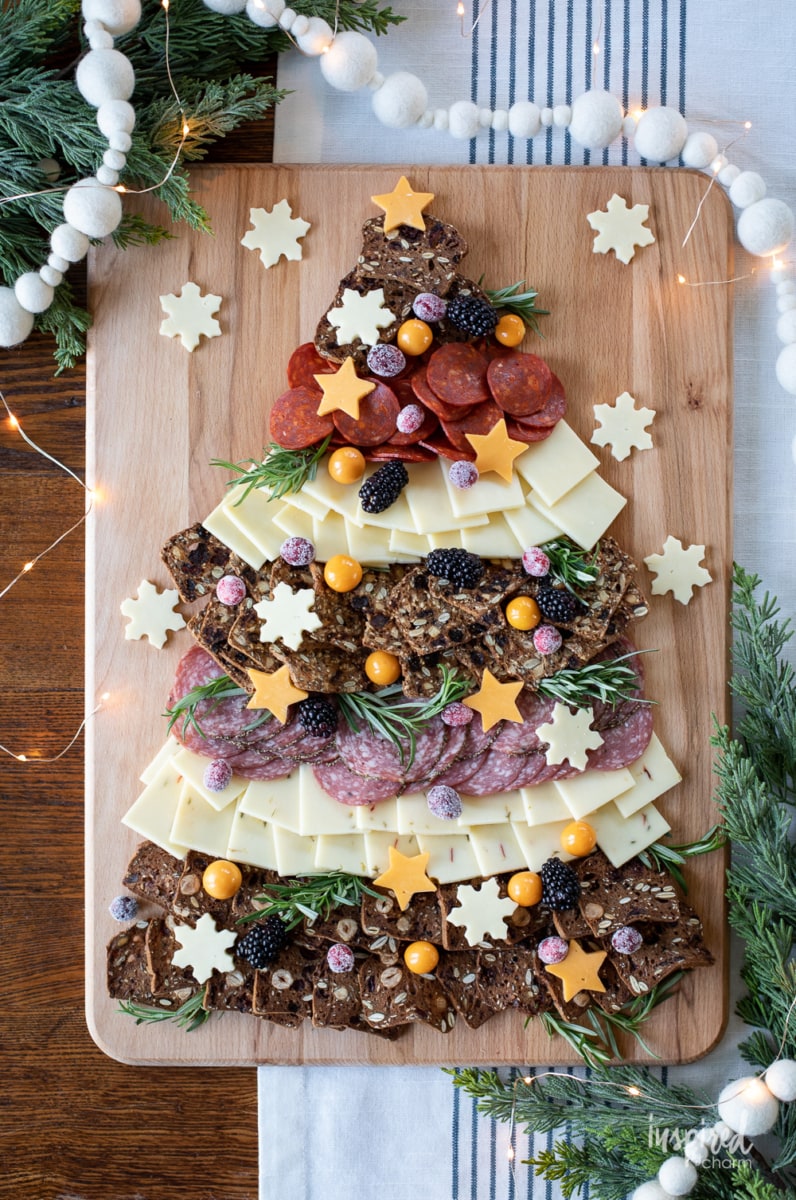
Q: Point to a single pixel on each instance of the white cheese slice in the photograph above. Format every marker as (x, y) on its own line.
(221, 525)
(329, 537)
(653, 774)
(397, 516)
(293, 522)
(553, 467)
(318, 812)
(447, 539)
(428, 502)
(368, 545)
(294, 855)
(451, 858)
(491, 810)
(152, 814)
(585, 513)
(620, 837)
(495, 540)
(490, 494)
(529, 527)
(198, 825)
(328, 492)
(193, 767)
(252, 841)
(169, 748)
(541, 842)
(274, 800)
(377, 850)
(496, 848)
(584, 793)
(544, 804)
(304, 501)
(381, 817)
(414, 544)
(254, 517)
(414, 816)
(341, 852)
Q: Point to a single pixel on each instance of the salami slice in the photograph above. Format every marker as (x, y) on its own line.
(552, 771)
(420, 434)
(625, 739)
(457, 373)
(349, 788)
(523, 431)
(520, 383)
(449, 754)
(250, 765)
(496, 774)
(366, 753)
(430, 400)
(377, 414)
(304, 364)
(477, 739)
(532, 766)
(429, 745)
(458, 773)
(480, 421)
(515, 738)
(221, 721)
(295, 423)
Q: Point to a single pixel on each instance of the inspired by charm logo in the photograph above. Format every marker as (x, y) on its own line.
(673, 1140)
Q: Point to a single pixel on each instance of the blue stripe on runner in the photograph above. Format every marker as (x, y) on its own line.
(664, 40)
(455, 1143)
(492, 1156)
(493, 80)
(681, 97)
(512, 70)
(474, 1152)
(531, 71)
(568, 90)
(512, 1140)
(474, 75)
(548, 1190)
(586, 1192)
(606, 49)
(588, 64)
(551, 43)
(531, 1147)
(625, 71)
(645, 59)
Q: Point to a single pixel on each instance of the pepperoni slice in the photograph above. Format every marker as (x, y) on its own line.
(523, 431)
(439, 447)
(480, 421)
(553, 409)
(295, 423)
(423, 431)
(430, 399)
(457, 373)
(377, 414)
(304, 363)
(520, 384)
(415, 453)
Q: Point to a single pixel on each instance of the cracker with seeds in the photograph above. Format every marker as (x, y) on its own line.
(153, 874)
(196, 560)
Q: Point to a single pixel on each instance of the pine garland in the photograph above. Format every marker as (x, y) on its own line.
(617, 1133)
(43, 116)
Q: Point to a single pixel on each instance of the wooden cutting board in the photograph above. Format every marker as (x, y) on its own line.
(158, 415)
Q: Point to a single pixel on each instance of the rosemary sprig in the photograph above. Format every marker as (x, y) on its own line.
(281, 470)
(218, 689)
(570, 566)
(584, 1041)
(522, 303)
(661, 857)
(400, 721)
(311, 897)
(610, 681)
(189, 1016)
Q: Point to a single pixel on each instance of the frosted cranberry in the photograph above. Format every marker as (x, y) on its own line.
(217, 775)
(297, 551)
(410, 419)
(626, 940)
(230, 590)
(444, 802)
(552, 950)
(457, 714)
(463, 474)
(386, 360)
(536, 562)
(340, 958)
(546, 639)
(429, 307)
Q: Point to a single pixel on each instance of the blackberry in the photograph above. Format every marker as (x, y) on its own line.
(459, 566)
(317, 716)
(384, 487)
(260, 945)
(471, 315)
(560, 885)
(555, 604)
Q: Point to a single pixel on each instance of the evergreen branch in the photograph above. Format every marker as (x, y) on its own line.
(281, 471)
(400, 720)
(662, 857)
(211, 693)
(522, 303)
(609, 680)
(309, 898)
(189, 1016)
(570, 566)
(69, 324)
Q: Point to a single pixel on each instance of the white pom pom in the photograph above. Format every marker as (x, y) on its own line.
(746, 1105)
(677, 1176)
(104, 75)
(546, 117)
(57, 263)
(628, 125)
(463, 119)
(259, 14)
(33, 293)
(699, 150)
(15, 322)
(786, 287)
(101, 40)
(115, 116)
(765, 227)
(69, 243)
(729, 174)
(562, 115)
(651, 1191)
(115, 160)
(696, 1153)
(719, 163)
(660, 134)
(427, 119)
(785, 303)
(118, 16)
(786, 369)
(376, 82)
(288, 20)
(92, 27)
(786, 332)
(120, 141)
(93, 209)
(723, 1133)
(350, 63)
(400, 101)
(107, 176)
(524, 119)
(316, 38)
(747, 188)
(485, 118)
(441, 119)
(227, 8)
(596, 119)
(50, 276)
(500, 120)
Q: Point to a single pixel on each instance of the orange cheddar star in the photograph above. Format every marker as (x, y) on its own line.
(275, 692)
(579, 971)
(496, 451)
(402, 206)
(343, 391)
(495, 701)
(406, 876)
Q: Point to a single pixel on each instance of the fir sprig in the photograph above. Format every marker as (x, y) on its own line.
(662, 857)
(522, 303)
(189, 1016)
(309, 898)
(216, 690)
(570, 566)
(400, 721)
(610, 680)
(282, 471)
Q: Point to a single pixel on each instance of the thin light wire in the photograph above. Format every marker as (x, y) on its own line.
(34, 758)
(709, 188)
(460, 14)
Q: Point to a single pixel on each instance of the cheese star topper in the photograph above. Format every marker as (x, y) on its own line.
(620, 228)
(343, 391)
(677, 570)
(579, 971)
(496, 451)
(406, 876)
(274, 691)
(402, 206)
(495, 701)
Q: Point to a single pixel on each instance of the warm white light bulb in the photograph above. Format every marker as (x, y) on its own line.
(28, 566)
(681, 279)
(460, 9)
(595, 48)
(105, 696)
(14, 422)
(22, 758)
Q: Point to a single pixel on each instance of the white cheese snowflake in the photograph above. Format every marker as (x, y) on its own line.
(481, 914)
(620, 228)
(275, 234)
(204, 948)
(288, 616)
(190, 315)
(151, 614)
(677, 570)
(569, 736)
(360, 317)
(624, 426)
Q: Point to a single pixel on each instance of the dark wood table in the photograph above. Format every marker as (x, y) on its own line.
(76, 1125)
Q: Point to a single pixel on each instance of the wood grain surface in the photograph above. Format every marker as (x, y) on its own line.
(160, 415)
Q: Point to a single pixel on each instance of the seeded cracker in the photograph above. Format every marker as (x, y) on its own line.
(336, 1002)
(128, 978)
(393, 996)
(665, 949)
(284, 989)
(458, 974)
(426, 260)
(153, 874)
(508, 978)
(232, 991)
(422, 922)
(165, 979)
(615, 896)
(196, 561)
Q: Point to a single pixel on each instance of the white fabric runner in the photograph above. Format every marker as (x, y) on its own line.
(340, 1132)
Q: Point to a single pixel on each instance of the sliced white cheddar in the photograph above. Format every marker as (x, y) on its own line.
(329, 537)
(496, 848)
(491, 810)
(166, 751)
(529, 527)
(152, 814)
(653, 774)
(198, 825)
(553, 467)
(304, 501)
(451, 858)
(251, 841)
(585, 513)
(428, 502)
(377, 850)
(294, 855)
(221, 525)
(193, 767)
(414, 544)
(318, 812)
(620, 837)
(447, 539)
(495, 540)
(488, 495)
(275, 801)
(584, 793)
(541, 842)
(368, 545)
(254, 517)
(343, 852)
(544, 804)
(414, 816)
(381, 817)
(294, 523)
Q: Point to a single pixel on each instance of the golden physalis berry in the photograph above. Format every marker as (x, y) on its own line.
(523, 613)
(525, 888)
(421, 957)
(347, 465)
(414, 337)
(382, 667)
(222, 879)
(578, 838)
(510, 330)
(342, 573)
